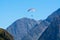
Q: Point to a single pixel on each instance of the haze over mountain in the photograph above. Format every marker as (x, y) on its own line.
(30, 29)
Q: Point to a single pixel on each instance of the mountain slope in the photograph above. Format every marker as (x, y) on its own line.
(53, 30)
(55, 14)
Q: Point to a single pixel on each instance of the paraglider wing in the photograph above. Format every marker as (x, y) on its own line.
(31, 10)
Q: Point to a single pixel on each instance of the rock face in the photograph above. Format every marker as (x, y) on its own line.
(29, 29)
(4, 35)
(21, 27)
(53, 30)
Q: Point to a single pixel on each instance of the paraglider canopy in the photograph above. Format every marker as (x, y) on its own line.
(31, 10)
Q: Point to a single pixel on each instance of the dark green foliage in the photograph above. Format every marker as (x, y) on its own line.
(4, 35)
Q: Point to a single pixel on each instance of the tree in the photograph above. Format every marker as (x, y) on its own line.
(4, 35)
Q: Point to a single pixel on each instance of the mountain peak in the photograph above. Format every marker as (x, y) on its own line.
(25, 18)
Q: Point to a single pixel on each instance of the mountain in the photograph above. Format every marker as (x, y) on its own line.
(30, 29)
(21, 27)
(27, 29)
(53, 30)
(4, 35)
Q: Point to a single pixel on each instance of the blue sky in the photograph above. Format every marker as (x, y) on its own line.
(11, 10)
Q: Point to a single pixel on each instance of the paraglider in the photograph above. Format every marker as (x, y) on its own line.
(31, 10)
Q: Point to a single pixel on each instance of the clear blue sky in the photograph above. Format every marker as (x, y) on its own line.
(11, 10)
